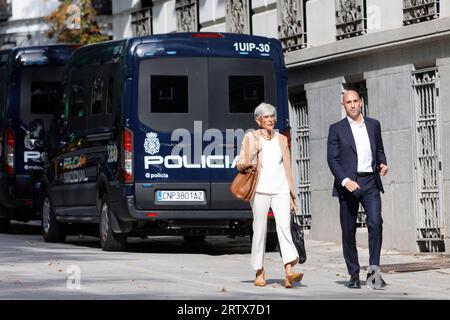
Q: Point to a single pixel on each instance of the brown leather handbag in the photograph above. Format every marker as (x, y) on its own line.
(244, 184)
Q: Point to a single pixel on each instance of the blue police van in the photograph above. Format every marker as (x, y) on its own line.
(29, 82)
(152, 127)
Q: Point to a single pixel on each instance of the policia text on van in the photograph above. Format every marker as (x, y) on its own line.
(120, 162)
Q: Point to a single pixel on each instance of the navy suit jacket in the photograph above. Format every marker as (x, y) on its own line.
(342, 157)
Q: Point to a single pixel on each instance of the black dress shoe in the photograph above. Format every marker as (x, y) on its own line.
(354, 282)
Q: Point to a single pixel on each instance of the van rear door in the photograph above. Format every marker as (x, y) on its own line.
(170, 172)
(236, 87)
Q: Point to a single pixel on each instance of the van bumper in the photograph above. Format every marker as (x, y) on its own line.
(10, 187)
(132, 213)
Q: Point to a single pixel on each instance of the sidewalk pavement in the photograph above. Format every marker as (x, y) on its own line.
(166, 268)
(408, 275)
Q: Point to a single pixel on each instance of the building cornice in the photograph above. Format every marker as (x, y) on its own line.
(369, 43)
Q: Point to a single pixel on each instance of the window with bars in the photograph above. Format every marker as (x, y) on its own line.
(291, 24)
(187, 15)
(302, 156)
(141, 22)
(428, 165)
(238, 16)
(415, 11)
(351, 18)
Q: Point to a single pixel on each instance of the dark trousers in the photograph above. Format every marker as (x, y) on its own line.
(369, 197)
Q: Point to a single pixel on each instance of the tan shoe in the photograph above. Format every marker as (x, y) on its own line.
(292, 278)
(259, 280)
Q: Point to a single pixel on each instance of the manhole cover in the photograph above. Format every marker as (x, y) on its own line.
(414, 266)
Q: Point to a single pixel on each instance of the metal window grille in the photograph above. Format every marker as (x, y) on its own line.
(187, 15)
(361, 88)
(351, 18)
(291, 24)
(141, 22)
(238, 16)
(415, 11)
(428, 166)
(303, 161)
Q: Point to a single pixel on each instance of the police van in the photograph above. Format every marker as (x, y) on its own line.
(29, 81)
(152, 128)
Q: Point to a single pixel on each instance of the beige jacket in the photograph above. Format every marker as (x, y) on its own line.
(254, 143)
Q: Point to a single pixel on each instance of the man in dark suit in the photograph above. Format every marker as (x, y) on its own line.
(356, 158)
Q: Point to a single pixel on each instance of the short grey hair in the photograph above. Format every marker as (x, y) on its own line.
(265, 109)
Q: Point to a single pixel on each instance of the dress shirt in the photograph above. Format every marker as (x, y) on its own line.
(363, 149)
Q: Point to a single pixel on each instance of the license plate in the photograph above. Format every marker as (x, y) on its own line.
(180, 196)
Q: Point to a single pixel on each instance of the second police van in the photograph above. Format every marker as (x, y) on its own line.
(150, 133)
(29, 83)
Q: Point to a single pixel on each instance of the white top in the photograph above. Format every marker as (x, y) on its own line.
(363, 150)
(272, 178)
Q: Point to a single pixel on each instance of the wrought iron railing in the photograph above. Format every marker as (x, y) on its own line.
(428, 169)
(351, 18)
(303, 160)
(187, 15)
(291, 24)
(238, 16)
(415, 11)
(141, 22)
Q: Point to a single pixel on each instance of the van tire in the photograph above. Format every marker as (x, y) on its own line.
(194, 239)
(52, 230)
(109, 240)
(4, 225)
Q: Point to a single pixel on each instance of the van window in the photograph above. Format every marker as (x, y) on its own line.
(245, 93)
(44, 97)
(77, 103)
(97, 96)
(109, 96)
(169, 94)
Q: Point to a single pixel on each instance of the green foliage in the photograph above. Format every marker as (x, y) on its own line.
(75, 22)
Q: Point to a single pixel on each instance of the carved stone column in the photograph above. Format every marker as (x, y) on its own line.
(350, 18)
(187, 15)
(415, 11)
(237, 17)
(291, 24)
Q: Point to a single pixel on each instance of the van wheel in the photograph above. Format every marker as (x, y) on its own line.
(52, 230)
(109, 240)
(4, 225)
(271, 241)
(194, 239)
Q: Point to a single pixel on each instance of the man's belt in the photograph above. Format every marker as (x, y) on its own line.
(364, 174)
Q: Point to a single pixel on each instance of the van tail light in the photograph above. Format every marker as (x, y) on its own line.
(10, 148)
(287, 133)
(127, 156)
(207, 35)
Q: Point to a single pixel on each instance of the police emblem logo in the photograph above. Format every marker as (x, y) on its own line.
(151, 144)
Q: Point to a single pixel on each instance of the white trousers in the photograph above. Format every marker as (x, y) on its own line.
(281, 207)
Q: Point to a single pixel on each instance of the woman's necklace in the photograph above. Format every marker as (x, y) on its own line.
(267, 137)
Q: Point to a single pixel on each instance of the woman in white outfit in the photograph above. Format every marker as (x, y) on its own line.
(274, 189)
